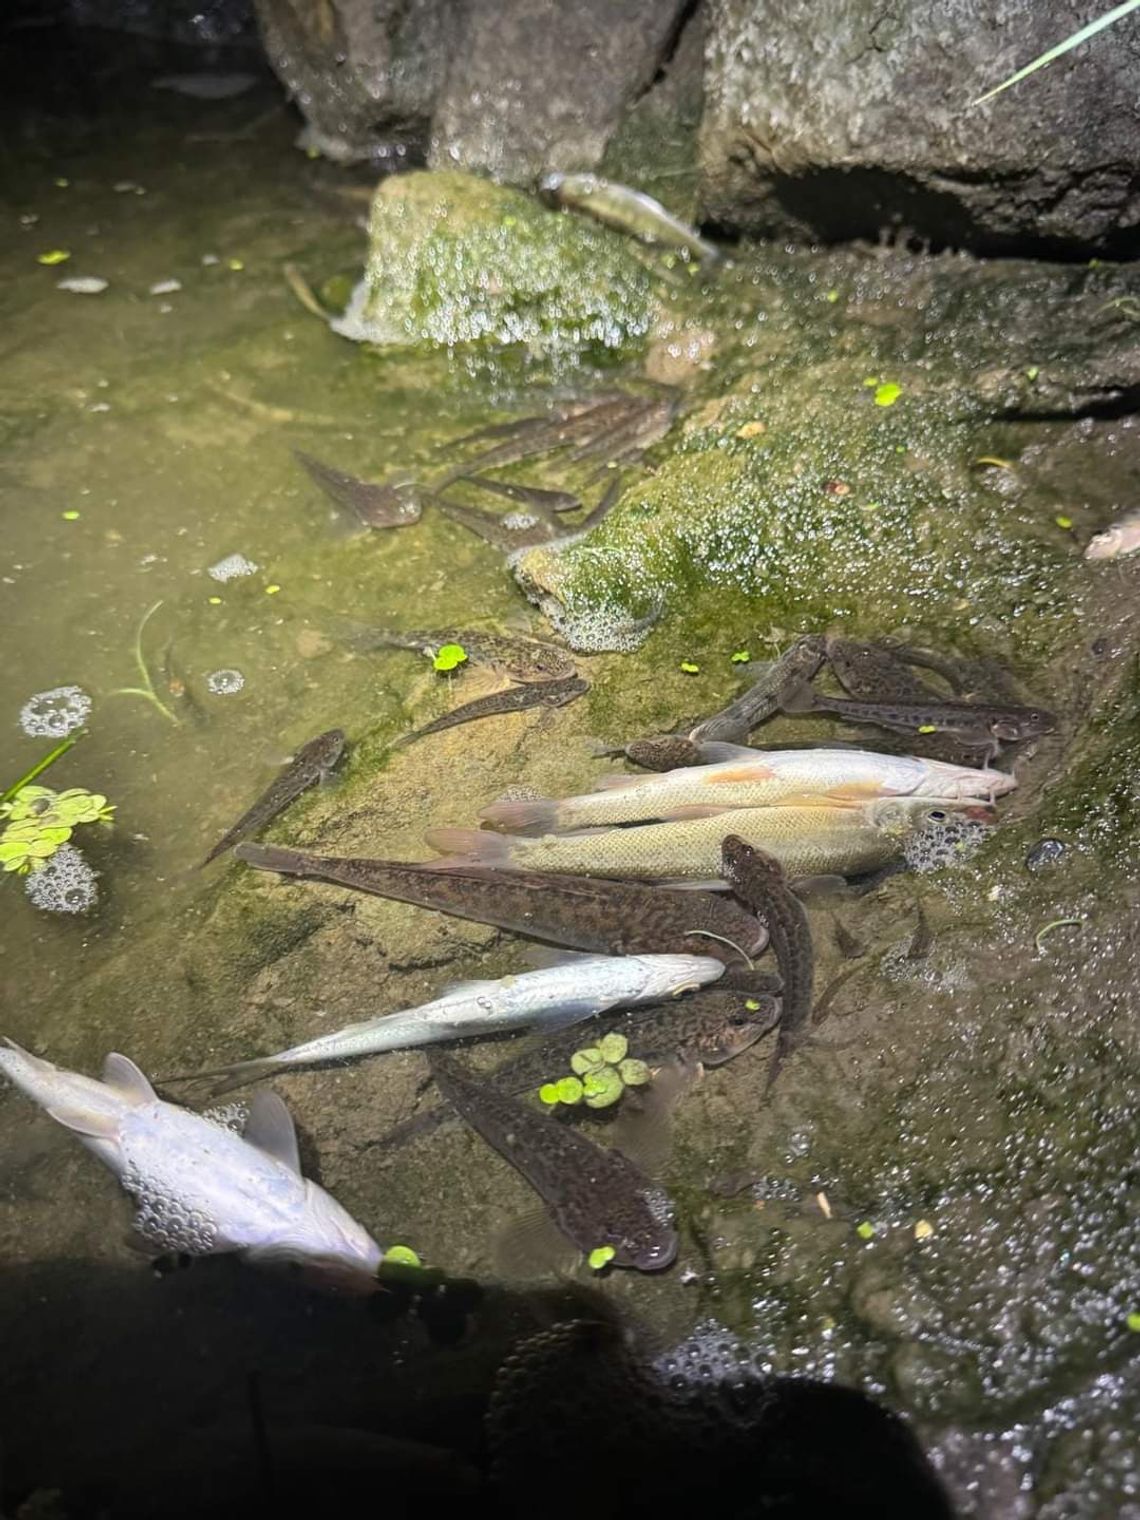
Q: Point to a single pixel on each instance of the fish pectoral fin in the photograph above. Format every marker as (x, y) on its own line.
(270, 1127)
(818, 886)
(797, 698)
(124, 1076)
(683, 884)
(533, 1246)
(642, 1132)
(84, 1122)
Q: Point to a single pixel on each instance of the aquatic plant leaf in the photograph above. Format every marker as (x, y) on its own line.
(613, 1048)
(582, 1062)
(633, 1073)
(448, 656)
(569, 1090)
(887, 393)
(600, 1256)
(1061, 48)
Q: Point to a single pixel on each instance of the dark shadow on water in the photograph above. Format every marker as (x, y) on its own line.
(223, 1391)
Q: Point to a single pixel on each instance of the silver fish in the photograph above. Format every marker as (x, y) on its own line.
(627, 210)
(203, 1189)
(548, 999)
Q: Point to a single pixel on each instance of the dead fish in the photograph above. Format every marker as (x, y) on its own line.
(734, 722)
(392, 505)
(630, 435)
(626, 210)
(661, 752)
(522, 659)
(534, 497)
(881, 673)
(808, 841)
(876, 673)
(974, 721)
(201, 1187)
(1120, 538)
(312, 763)
(712, 1026)
(509, 532)
(758, 879)
(596, 1197)
(556, 432)
(514, 699)
(608, 917)
(748, 778)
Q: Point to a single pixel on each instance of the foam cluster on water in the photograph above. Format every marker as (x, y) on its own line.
(232, 568)
(224, 683)
(56, 713)
(946, 842)
(63, 884)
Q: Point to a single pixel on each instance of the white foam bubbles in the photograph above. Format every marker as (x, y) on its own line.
(65, 883)
(56, 713)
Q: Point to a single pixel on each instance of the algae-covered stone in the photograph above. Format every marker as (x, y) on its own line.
(455, 259)
(812, 491)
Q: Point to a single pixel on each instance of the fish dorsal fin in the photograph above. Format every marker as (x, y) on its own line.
(468, 989)
(270, 1128)
(618, 782)
(799, 698)
(543, 957)
(123, 1075)
(718, 751)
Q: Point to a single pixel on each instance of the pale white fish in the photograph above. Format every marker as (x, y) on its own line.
(749, 778)
(203, 1189)
(1119, 538)
(576, 988)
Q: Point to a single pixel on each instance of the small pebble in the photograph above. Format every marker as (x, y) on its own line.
(165, 287)
(83, 284)
(1045, 853)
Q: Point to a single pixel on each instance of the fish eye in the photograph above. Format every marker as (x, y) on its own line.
(937, 815)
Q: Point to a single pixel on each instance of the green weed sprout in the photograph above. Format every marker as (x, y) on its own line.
(602, 1072)
(39, 820)
(41, 765)
(146, 690)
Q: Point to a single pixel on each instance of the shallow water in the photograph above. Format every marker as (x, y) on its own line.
(987, 1090)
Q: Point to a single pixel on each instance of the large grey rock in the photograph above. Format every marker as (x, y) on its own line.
(535, 85)
(365, 73)
(843, 118)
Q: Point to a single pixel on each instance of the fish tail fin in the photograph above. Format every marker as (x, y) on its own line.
(798, 698)
(270, 857)
(518, 815)
(224, 1079)
(465, 847)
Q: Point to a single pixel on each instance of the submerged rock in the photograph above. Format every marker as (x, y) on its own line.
(454, 259)
(843, 120)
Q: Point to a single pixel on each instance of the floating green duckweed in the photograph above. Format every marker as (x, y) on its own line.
(448, 656)
(569, 1090)
(690, 667)
(740, 657)
(865, 1230)
(633, 1073)
(1133, 1320)
(602, 1088)
(613, 1048)
(403, 1256)
(887, 393)
(40, 820)
(583, 1062)
(600, 1257)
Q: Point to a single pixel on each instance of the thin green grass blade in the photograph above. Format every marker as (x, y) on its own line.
(1062, 47)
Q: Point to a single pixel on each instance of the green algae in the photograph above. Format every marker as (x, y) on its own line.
(457, 260)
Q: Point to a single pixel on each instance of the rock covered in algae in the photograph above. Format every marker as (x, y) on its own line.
(820, 502)
(455, 259)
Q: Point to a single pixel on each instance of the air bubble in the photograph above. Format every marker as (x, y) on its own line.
(63, 884)
(224, 683)
(232, 568)
(56, 713)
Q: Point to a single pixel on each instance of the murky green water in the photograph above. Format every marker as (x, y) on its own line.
(987, 1091)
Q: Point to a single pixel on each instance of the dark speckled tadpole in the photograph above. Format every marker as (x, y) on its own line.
(375, 505)
(596, 1197)
(758, 879)
(514, 699)
(583, 913)
(312, 763)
